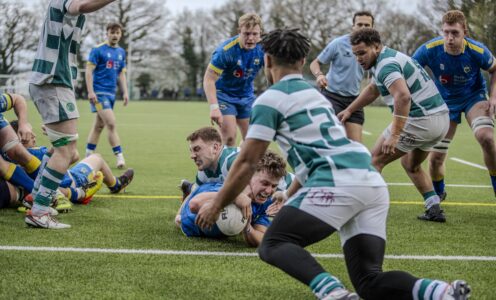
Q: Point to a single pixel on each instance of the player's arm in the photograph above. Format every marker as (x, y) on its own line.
(402, 97)
(90, 67)
(317, 72)
(123, 85)
(253, 234)
(367, 96)
(25, 130)
(239, 176)
(244, 203)
(209, 79)
(86, 6)
(492, 88)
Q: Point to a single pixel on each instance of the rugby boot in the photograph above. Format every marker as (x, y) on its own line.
(458, 290)
(341, 294)
(185, 187)
(123, 181)
(45, 221)
(434, 214)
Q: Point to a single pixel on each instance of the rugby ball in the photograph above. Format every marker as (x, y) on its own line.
(231, 221)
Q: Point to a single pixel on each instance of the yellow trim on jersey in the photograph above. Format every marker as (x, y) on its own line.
(32, 164)
(10, 171)
(231, 44)
(215, 69)
(474, 47)
(101, 44)
(90, 63)
(124, 70)
(435, 44)
(10, 101)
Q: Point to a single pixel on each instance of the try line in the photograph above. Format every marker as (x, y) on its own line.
(225, 254)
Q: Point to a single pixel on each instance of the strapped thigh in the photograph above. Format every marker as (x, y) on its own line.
(60, 139)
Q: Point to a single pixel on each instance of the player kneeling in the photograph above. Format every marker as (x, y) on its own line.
(255, 204)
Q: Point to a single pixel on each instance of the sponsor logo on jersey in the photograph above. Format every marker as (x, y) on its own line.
(110, 64)
(445, 79)
(238, 73)
(320, 197)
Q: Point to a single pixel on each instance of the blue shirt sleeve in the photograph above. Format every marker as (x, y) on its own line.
(5, 102)
(93, 57)
(123, 65)
(486, 59)
(329, 53)
(220, 59)
(421, 55)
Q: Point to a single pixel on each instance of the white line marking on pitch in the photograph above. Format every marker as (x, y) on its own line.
(450, 185)
(468, 163)
(219, 253)
(366, 132)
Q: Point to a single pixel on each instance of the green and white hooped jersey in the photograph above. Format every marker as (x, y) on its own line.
(55, 60)
(226, 159)
(303, 123)
(392, 65)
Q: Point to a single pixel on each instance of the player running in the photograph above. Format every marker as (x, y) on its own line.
(420, 116)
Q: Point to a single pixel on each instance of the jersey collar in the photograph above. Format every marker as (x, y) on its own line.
(292, 76)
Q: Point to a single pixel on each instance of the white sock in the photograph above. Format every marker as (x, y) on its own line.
(38, 209)
(431, 201)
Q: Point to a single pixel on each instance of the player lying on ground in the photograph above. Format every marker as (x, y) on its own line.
(11, 169)
(10, 195)
(213, 160)
(254, 202)
(77, 185)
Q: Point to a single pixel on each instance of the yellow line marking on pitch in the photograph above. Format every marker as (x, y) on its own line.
(445, 203)
(137, 197)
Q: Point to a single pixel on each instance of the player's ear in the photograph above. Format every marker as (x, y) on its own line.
(268, 61)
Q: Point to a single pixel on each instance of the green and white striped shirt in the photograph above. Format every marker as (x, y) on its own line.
(392, 65)
(55, 60)
(226, 159)
(311, 137)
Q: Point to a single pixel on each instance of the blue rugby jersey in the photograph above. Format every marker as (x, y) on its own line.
(237, 67)
(457, 77)
(109, 63)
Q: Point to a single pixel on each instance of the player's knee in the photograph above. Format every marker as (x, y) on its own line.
(230, 141)
(74, 155)
(265, 253)
(436, 161)
(110, 126)
(16, 151)
(485, 138)
(409, 167)
(377, 163)
(99, 127)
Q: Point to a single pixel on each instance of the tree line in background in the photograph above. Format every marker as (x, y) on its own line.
(168, 54)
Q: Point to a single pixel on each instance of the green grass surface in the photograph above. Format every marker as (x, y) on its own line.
(153, 138)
